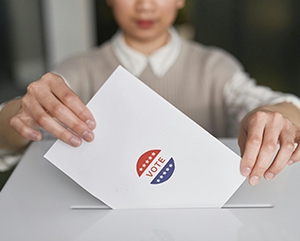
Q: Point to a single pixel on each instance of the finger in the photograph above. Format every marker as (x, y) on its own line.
(24, 129)
(283, 155)
(65, 116)
(296, 154)
(295, 157)
(242, 141)
(43, 119)
(266, 153)
(252, 147)
(70, 99)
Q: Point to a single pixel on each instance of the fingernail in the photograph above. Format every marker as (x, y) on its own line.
(269, 176)
(91, 124)
(290, 162)
(34, 136)
(88, 136)
(254, 180)
(246, 171)
(75, 141)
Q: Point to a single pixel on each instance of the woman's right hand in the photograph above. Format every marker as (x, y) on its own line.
(49, 103)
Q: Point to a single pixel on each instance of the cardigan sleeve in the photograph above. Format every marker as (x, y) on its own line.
(242, 95)
(8, 159)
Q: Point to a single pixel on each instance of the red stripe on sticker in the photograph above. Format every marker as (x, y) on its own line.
(145, 160)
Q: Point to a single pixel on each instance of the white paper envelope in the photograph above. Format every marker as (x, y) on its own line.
(147, 154)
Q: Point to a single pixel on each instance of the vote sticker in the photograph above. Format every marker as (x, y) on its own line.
(156, 166)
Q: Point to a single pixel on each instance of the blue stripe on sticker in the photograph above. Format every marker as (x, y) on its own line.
(165, 173)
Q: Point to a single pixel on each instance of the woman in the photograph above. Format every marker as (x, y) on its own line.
(206, 83)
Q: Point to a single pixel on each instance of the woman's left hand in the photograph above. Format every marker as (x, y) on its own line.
(260, 133)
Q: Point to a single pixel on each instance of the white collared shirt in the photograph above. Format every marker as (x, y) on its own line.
(135, 62)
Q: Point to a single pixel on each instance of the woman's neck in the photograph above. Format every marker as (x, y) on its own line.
(147, 47)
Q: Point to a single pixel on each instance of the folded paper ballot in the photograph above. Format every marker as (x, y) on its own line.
(147, 154)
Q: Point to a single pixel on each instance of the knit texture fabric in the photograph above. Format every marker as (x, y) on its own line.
(194, 84)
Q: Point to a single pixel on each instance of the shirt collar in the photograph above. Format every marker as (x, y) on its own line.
(135, 62)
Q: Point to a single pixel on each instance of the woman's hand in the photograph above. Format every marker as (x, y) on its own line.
(260, 132)
(49, 103)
